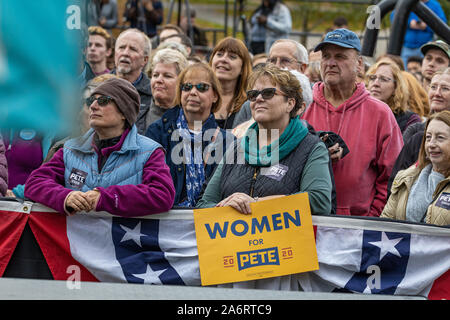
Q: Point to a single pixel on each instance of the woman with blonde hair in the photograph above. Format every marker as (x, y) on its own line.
(418, 98)
(188, 132)
(386, 83)
(166, 66)
(232, 65)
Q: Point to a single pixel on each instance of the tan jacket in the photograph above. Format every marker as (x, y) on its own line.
(438, 212)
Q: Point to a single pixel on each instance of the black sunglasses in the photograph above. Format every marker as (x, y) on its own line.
(266, 93)
(202, 87)
(101, 100)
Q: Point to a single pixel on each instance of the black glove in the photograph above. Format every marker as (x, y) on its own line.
(330, 139)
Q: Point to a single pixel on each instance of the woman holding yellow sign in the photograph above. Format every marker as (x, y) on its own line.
(277, 155)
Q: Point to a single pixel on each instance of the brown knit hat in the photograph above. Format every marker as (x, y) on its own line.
(125, 96)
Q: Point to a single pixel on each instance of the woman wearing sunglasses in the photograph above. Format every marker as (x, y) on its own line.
(189, 133)
(111, 167)
(277, 156)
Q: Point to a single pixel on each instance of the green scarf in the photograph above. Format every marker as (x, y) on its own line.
(276, 151)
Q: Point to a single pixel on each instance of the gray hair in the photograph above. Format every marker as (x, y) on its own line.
(306, 87)
(445, 71)
(301, 54)
(146, 43)
(168, 56)
(174, 46)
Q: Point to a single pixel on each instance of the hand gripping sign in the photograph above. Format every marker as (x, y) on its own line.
(277, 239)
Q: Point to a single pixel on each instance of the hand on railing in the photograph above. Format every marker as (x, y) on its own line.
(81, 201)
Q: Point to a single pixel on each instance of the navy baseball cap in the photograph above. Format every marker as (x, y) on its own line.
(342, 38)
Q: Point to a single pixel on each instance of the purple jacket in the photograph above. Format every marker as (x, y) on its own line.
(154, 195)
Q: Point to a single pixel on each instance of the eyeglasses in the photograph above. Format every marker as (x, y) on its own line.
(202, 87)
(101, 100)
(435, 87)
(266, 93)
(284, 61)
(382, 79)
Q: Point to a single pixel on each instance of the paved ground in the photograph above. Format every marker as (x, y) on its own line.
(31, 289)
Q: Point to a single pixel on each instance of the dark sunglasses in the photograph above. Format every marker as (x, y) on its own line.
(101, 100)
(266, 93)
(202, 87)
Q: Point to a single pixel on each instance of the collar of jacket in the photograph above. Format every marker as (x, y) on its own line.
(84, 143)
(405, 177)
(142, 85)
(408, 176)
(359, 95)
(171, 115)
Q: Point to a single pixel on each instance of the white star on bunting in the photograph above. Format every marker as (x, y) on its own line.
(150, 276)
(387, 245)
(133, 234)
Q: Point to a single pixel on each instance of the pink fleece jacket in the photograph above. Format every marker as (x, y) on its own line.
(155, 194)
(373, 137)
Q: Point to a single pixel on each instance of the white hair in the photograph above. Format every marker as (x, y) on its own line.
(168, 56)
(174, 46)
(306, 87)
(301, 54)
(146, 42)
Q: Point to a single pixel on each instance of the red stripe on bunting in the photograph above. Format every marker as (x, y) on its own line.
(50, 231)
(11, 227)
(441, 288)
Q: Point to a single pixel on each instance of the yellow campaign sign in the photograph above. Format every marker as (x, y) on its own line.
(277, 239)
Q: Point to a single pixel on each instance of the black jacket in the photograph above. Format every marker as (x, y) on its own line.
(143, 87)
(410, 151)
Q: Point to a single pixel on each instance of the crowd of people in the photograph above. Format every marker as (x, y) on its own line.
(162, 127)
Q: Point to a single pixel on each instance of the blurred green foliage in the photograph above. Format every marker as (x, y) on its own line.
(316, 16)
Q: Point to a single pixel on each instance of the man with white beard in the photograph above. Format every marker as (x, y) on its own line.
(132, 52)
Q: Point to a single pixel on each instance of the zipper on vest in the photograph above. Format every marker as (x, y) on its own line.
(252, 185)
